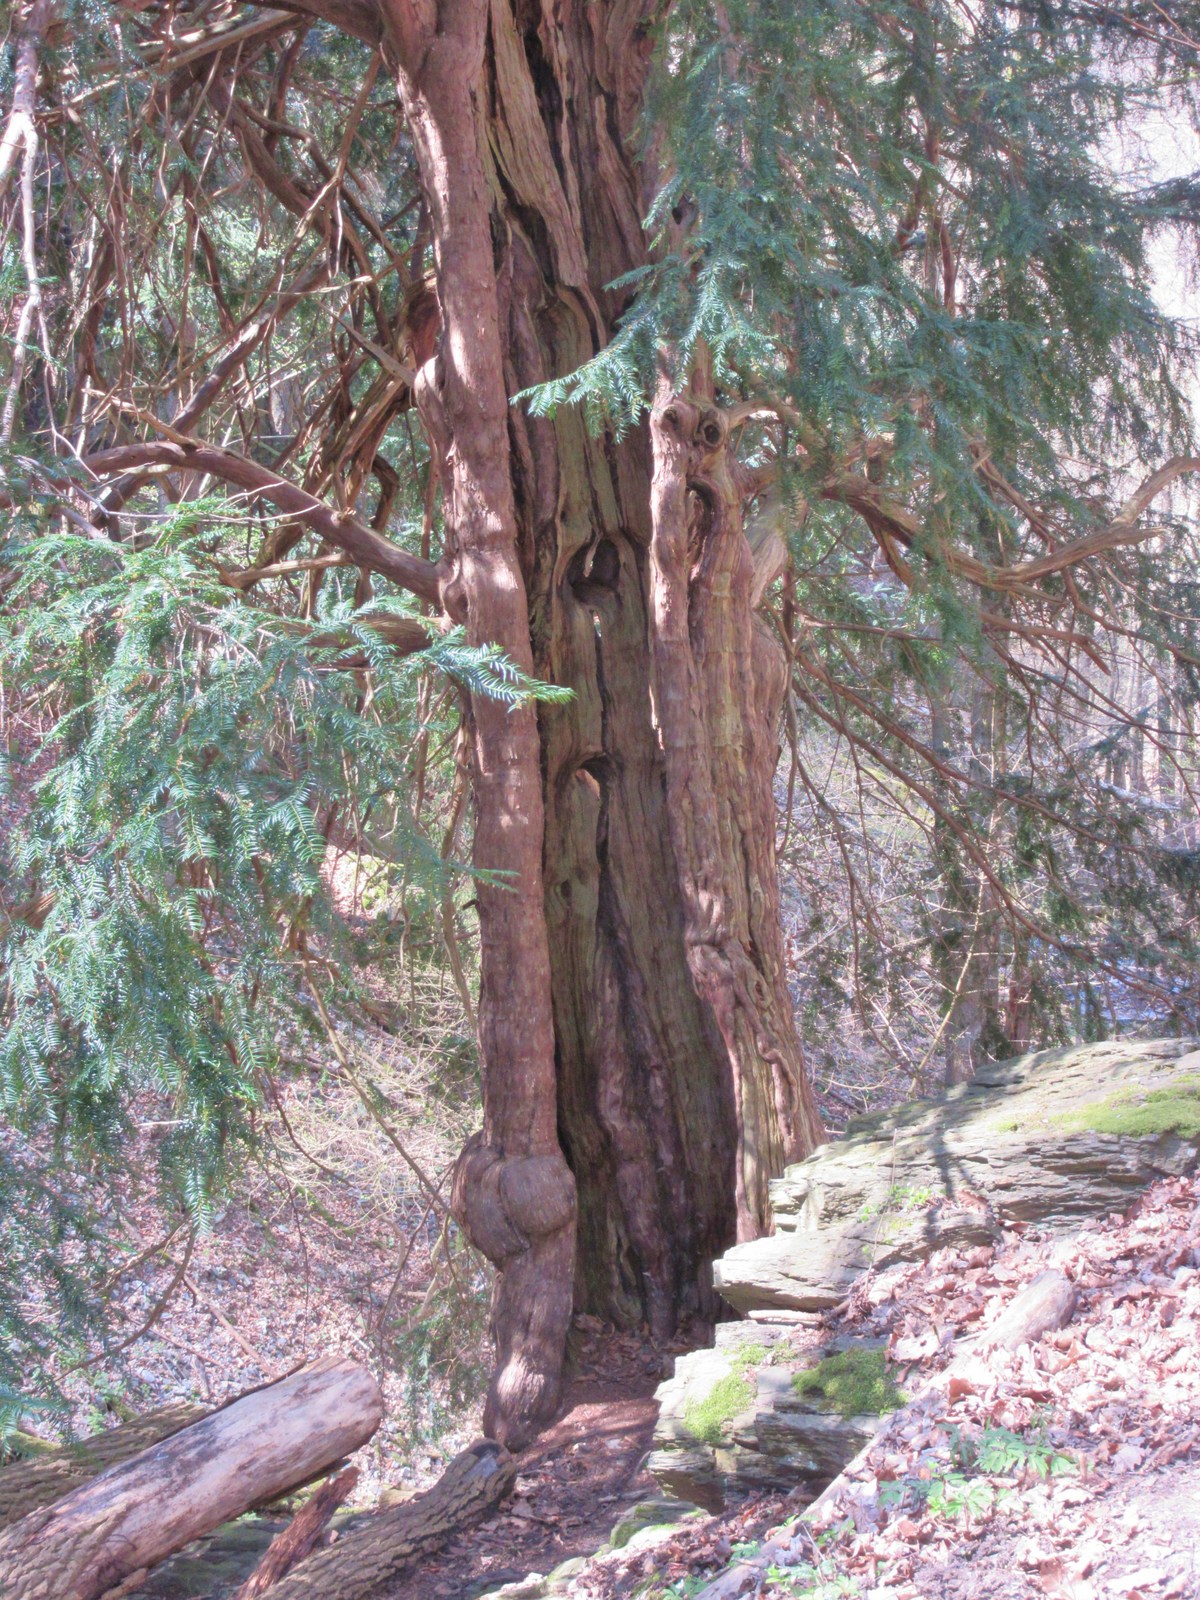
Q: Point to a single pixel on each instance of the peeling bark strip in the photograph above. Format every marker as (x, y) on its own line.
(513, 1193)
(139, 1512)
(718, 688)
(300, 1537)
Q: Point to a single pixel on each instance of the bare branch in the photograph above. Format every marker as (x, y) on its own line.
(426, 579)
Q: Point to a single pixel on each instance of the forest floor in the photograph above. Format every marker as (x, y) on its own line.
(331, 1244)
(1068, 1470)
(335, 1244)
(575, 1482)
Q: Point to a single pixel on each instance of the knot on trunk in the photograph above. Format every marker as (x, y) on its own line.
(504, 1205)
(699, 425)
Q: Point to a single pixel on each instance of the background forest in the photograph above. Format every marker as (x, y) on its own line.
(932, 264)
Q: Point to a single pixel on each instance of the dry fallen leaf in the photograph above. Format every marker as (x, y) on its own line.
(1059, 1584)
(1143, 1578)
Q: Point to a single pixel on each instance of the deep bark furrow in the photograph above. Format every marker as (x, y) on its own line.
(717, 725)
(635, 950)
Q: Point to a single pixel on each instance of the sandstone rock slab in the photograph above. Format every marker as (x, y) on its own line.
(1049, 1138)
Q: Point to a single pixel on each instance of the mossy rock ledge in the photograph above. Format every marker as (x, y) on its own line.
(1047, 1139)
(739, 1419)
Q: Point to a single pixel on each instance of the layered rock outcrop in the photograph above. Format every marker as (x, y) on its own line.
(1044, 1141)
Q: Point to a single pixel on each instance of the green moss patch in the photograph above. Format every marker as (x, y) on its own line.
(748, 1355)
(729, 1397)
(854, 1383)
(1142, 1113)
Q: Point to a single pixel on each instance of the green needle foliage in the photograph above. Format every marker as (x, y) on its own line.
(902, 242)
(166, 907)
(908, 243)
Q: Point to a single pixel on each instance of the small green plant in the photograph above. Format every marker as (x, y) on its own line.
(900, 1198)
(681, 1589)
(1001, 1451)
(967, 1490)
(805, 1582)
(854, 1383)
(950, 1495)
(956, 1496)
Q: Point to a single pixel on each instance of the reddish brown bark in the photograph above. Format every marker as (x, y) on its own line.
(619, 1027)
(719, 680)
(513, 1193)
(646, 1109)
(300, 1537)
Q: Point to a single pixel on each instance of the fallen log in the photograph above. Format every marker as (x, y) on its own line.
(1046, 1303)
(300, 1536)
(27, 1485)
(385, 1543)
(140, 1511)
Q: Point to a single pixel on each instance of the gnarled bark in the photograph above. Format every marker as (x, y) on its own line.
(598, 980)
(648, 1103)
(719, 680)
(620, 1045)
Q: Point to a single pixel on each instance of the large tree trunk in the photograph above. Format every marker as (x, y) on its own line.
(513, 1190)
(647, 985)
(719, 678)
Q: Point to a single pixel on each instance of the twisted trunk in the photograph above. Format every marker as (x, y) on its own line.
(634, 1017)
(513, 1190)
(719, 681)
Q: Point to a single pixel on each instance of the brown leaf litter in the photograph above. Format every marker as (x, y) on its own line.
(1069, 1468)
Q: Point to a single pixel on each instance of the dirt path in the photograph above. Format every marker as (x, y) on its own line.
(574, 1483)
